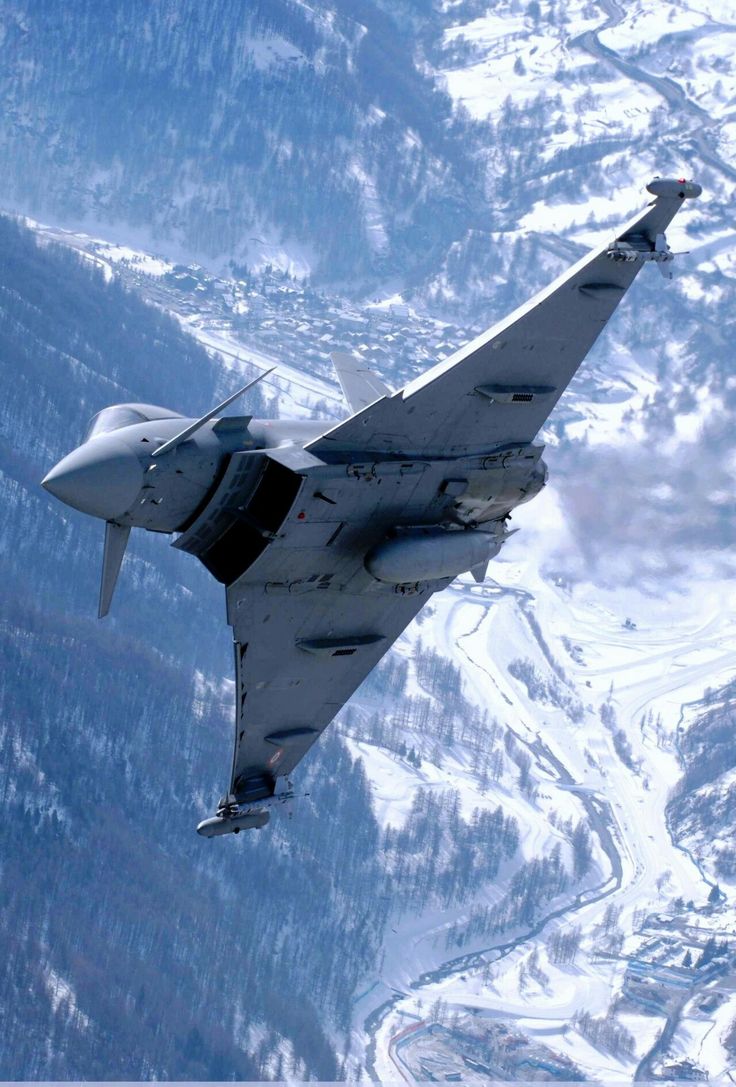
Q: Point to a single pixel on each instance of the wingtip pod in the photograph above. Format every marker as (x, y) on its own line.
(674, 188)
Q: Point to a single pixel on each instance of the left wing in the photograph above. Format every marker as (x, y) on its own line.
(301, 650)
(288, 534)
(502, 386)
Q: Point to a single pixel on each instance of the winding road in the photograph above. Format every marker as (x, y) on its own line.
(623, 812)
(613, 824)
(701, 128)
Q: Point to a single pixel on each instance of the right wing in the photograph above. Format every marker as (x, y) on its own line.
(501, 387)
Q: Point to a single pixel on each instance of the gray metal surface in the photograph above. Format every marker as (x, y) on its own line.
(116, 541)
(447, 411)
(192, 428)
(310, 620)
(330, 541)
(360, 385)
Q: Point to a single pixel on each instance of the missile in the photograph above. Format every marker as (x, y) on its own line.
(431, 554)
(224, 824)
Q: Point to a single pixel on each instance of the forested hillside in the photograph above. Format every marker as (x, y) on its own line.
(703, 808)
(134, 948)
(236, 131)
(129, 950)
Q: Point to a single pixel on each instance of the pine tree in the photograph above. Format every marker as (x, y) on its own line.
(715, 894)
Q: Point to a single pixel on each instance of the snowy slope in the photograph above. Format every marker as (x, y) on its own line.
(680, 644)
(609, 614)
(555, 665)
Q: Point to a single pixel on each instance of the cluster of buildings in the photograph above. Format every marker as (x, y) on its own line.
(475, 1050)
(289, 319)
(671, 960)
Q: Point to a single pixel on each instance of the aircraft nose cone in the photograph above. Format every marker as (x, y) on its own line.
(101, 478)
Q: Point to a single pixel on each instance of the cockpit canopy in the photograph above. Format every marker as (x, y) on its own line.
(122, 415)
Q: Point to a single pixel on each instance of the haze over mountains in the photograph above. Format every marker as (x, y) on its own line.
(529, 769)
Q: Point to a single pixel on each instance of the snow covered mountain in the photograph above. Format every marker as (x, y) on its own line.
(520, 871)
(521, 743)
(126, 952)
(254, 133)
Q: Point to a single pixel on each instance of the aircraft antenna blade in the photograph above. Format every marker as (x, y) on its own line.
(199, 423)
(116, 540)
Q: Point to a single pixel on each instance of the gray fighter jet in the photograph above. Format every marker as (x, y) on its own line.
(330, 540)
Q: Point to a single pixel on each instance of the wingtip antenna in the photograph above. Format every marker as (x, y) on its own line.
(674, 188)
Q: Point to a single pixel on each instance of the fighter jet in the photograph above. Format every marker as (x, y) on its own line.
(330, 539)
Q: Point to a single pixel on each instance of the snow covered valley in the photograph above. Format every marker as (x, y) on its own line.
(517, 858)
(550, 695)
(633, 662)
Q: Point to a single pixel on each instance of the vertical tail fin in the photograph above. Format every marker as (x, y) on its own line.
(360, 385)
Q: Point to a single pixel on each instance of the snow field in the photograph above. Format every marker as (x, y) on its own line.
(681, 642)
(646, 21)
